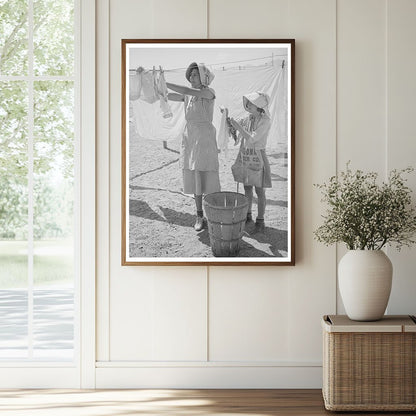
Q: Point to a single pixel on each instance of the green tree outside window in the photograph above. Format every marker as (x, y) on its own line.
(51, 56)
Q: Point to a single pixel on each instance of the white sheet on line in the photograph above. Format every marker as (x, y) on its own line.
(230, 85)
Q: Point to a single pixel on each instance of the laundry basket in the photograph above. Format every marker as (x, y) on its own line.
(226, 213)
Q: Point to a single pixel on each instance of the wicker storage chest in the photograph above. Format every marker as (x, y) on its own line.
(369, 366)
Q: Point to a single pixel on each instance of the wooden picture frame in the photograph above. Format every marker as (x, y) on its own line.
(168, 156)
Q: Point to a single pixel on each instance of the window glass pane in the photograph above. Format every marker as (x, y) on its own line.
(53, 37)
(13, 160)
(53, 319)
(53, 197)
(14, 319)
(13, 37)
(13, 219)
(54, 165)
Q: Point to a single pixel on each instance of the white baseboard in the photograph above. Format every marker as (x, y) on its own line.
(111, 375)
(209, 377)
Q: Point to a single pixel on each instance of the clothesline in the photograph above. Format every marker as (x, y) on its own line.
(226, 63)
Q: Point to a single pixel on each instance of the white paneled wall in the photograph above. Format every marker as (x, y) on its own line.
(248, 19)
(361, 88)
(361, 84)
(163, 314)
(254, 326)
(401, 132)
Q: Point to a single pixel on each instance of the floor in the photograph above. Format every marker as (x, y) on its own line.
(166, 402)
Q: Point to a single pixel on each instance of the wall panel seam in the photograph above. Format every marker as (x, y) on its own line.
(387, 49)
(207, 313)
(108, 332)
(208, 21)
(336, 142)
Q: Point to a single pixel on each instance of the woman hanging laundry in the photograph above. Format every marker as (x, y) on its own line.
(199, 153)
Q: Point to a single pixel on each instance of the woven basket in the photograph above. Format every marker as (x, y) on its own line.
(226, 213)
(369, 366)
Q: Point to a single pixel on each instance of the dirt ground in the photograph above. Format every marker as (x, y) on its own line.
(161, 217)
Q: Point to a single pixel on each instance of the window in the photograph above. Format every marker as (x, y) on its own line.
(38, 184)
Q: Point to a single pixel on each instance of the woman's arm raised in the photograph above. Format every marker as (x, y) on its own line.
(175, 97)
(204, 93)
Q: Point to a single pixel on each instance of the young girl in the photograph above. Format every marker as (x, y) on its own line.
(199, 156)
(255, 136)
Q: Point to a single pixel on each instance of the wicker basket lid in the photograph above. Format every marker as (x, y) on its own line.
(390, 323)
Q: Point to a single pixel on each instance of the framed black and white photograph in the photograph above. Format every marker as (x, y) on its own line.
(208, 156)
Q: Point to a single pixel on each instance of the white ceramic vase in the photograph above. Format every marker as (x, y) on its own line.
(364, 278)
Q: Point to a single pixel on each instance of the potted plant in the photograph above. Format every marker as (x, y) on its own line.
(366, 215)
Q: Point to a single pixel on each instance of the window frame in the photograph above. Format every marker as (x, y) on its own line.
(81, 371)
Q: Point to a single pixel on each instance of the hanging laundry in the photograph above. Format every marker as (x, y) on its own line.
(163, 94)
(230, 85)
(226, 131)
(149, 86)
(135, 89)
(222, 138)
(148, 83)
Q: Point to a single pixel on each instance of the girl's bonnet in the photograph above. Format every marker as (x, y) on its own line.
(259, 99)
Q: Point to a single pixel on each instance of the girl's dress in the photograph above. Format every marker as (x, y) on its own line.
(259, 134)
(199, 155)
